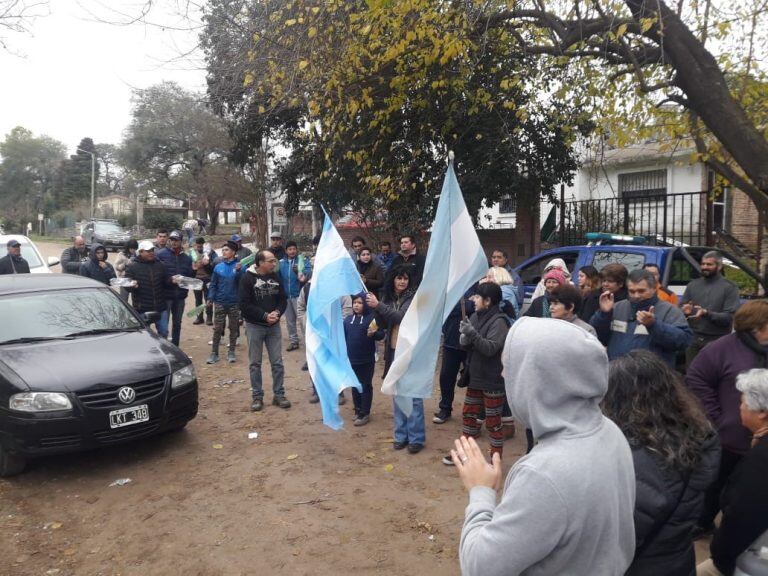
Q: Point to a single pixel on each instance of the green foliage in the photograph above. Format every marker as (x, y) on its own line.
(155, 220)
(28, 172)
(178, 148)
(369, 98)
(76, 182)
(127, 220)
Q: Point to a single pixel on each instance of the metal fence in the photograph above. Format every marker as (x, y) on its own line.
(665, 218)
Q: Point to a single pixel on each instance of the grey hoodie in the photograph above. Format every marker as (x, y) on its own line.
(567, 507)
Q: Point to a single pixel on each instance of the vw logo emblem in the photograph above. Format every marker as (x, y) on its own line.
(126, 394)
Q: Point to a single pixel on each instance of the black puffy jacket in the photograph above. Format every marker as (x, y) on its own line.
(93, 270)
(667, 505)
(151, 278)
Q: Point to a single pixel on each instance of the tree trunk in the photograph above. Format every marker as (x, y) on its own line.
(703, 83)
(213, 218)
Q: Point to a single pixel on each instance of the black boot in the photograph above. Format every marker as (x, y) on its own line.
(199, 319)
(209, 317)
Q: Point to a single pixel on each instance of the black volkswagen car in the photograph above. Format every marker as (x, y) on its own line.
(79, 368)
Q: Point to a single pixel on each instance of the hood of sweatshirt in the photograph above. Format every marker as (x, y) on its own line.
(556, 374)
(92, 253)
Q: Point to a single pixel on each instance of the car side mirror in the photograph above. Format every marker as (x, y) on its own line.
(150, 317)
(53, 261)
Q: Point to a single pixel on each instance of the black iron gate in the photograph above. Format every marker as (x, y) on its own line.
(665, 219)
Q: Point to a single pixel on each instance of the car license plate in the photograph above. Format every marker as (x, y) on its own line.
(128, 416)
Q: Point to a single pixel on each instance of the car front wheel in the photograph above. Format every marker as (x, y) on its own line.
(11, 464)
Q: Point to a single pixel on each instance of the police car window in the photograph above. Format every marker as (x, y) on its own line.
(682, 271)
(531, 273)
(630, 260)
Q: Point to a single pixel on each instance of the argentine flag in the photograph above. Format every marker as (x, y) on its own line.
(455, 261)
(334, 275)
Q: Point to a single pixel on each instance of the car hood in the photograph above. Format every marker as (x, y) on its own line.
(73, 365)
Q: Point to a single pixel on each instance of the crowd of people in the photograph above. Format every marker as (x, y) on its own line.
(646, 415)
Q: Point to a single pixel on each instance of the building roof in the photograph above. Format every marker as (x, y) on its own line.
(639, 153)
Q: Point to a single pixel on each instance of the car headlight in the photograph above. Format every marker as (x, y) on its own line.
(40, 402)
(183, 376)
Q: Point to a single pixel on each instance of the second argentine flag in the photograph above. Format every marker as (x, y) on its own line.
(455, 261)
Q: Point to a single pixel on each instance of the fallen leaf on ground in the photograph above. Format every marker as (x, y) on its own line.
(218, 446)
(292, 457)
(389, 468)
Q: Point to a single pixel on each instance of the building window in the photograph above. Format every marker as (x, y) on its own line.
(508, 205)
(639, 185)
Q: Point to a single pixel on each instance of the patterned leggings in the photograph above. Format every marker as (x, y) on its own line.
(475, 401)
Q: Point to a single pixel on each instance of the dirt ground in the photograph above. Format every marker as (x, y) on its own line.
(299, 499)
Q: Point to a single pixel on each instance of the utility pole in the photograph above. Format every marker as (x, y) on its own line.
(93, 178)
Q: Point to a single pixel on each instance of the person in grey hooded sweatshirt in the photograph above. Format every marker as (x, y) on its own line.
(567, 506)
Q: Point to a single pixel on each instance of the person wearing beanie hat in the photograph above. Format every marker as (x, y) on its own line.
(223, 298)
(539, 308)
(241, 251)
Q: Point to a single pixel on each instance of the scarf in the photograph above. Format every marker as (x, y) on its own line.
(643, 305)
(749, 341)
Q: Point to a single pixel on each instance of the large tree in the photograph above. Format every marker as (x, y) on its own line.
(28, 168)
(76, 177)
(352, 78)
(178, 148)
(368, 123)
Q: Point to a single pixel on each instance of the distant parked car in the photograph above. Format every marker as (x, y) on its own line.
(30, 253)
(79, 369)
(108, 233)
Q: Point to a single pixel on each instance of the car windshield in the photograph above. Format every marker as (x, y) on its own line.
(63, 313)
(107, 228)
(27, 252)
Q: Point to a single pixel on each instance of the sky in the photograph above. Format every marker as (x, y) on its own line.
(72, 77)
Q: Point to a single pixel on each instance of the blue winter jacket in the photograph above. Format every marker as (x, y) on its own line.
(180, 263)
(289, 276)
(621, 332)
(361, 348)
(225, 283)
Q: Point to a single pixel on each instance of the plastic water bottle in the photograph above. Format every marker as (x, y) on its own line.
(189, 283)
(122, 282)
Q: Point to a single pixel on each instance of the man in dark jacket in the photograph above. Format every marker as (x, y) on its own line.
(709, 303)
(642, 322)
(149, 291)
(73, 256)
(97, 268)
(454, 356)
(177, 264)
(410, 258)
(262, 302)
(242, 251)
(13, 263)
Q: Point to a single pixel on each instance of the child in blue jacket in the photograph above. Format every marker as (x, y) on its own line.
(361, 348)
(223, 296)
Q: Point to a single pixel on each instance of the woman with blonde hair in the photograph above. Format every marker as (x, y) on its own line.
(509, 304)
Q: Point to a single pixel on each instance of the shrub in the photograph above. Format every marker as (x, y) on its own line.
(156, 220)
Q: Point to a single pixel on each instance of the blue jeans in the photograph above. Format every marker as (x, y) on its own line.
(174, 313)
(411, 428)
(258, 336)
(161, 325)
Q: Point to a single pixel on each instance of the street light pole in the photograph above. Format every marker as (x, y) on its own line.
(93, 177)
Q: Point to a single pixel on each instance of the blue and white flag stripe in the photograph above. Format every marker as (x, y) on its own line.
(334, 276)
(455, 261)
